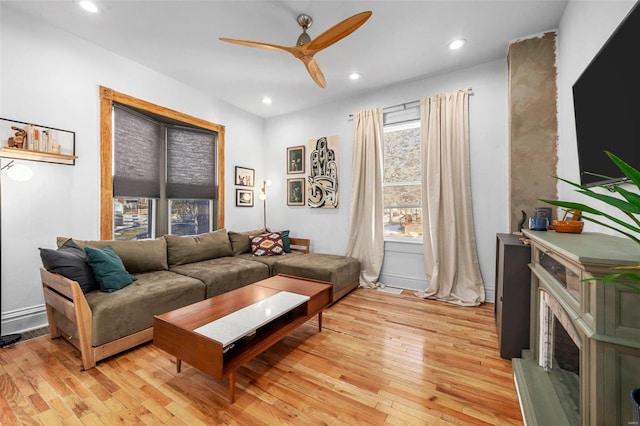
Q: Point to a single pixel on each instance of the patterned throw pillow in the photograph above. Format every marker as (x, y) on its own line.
(267, 244)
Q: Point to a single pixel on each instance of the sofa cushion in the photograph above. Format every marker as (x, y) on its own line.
(137, 255)
(131, 309)
(195, 248)
(224, 273)
(108, 269)
(267, 244)
(70, 261)
(342, 271)
(241, 241)
(270, 261)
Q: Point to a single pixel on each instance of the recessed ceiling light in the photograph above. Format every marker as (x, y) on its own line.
(457, 43)
(354, 76)
(88, 6)
(266, 100)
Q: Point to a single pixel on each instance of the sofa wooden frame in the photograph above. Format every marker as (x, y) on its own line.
(66, 297)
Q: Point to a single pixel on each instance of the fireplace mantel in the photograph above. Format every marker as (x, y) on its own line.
(602, 319)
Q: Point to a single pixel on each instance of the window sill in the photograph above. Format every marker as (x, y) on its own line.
(406, 240)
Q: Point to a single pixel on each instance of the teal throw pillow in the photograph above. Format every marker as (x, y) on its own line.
(286, 242)
(108, 269)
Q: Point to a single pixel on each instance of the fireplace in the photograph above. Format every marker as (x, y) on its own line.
(559, 355)
(584, 356)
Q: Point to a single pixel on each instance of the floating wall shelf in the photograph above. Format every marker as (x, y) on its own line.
(25, 154)
(26, 141)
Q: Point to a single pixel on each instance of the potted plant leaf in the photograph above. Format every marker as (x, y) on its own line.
(628, 202)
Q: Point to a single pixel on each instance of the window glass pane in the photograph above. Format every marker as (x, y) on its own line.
(402, 155)
(402, 186)
(131, 218)
(402, 222)
(190, 217)
(402, 195)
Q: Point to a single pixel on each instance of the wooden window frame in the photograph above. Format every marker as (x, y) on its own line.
(107, 98)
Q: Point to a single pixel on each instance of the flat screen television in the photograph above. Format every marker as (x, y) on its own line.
(606, 100)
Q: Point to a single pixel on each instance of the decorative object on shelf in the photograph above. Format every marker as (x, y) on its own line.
(17, 172)
(544, 212)
(295, 192)
(573, 226)
(244, 197)
(523, 219)
(263, 197)
(322, 191)
(18, 139)
(295, 159)
(28, 141)
(245, 176)
(629, 205)
(538, 223)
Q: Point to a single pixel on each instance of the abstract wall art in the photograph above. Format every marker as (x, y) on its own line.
(322, 182)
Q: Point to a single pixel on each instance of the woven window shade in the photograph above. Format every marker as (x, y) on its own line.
(137, 144)
(191, 163)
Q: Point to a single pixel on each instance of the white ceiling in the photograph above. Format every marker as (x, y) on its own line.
(403, 40)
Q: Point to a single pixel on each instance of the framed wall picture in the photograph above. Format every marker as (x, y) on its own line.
(244, 197)
(245, 176)
(295, 192)
(295, 159)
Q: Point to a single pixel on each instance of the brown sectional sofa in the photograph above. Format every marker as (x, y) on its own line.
(171, 272)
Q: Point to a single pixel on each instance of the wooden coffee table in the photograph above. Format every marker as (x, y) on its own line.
(221, 334)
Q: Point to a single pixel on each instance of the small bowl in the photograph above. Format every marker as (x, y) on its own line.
(568, 226)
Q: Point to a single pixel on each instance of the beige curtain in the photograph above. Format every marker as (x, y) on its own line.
(366, 238)
(450, 256)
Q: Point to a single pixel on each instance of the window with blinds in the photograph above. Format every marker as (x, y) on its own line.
(164, 176)
(191, 163)
(137, 143)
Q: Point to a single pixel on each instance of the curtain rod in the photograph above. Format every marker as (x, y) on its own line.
(407, 104)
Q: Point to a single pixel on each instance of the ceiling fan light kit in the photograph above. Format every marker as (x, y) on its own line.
(306, 48)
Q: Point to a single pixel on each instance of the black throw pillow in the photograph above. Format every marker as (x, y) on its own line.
(70, 261)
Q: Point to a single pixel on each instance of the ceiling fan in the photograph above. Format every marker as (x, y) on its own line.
(305, 48)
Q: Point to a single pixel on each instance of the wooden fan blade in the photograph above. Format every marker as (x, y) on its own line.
(259, 45)
(314, 71)
(338, 32)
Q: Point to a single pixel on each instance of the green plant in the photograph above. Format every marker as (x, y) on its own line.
(628, 202)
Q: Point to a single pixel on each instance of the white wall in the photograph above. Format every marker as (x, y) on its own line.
(585, 27)
(328, 229)
(51, 78)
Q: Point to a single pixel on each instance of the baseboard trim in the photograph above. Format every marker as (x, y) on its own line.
(403, 281)
(412, 283)
(23, 320)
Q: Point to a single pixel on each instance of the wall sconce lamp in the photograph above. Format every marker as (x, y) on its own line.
(263, 197)
(20, 173)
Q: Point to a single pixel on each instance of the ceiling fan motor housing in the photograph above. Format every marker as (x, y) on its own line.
(305, 22)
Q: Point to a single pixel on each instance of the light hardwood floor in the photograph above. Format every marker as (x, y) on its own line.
(380, 359)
